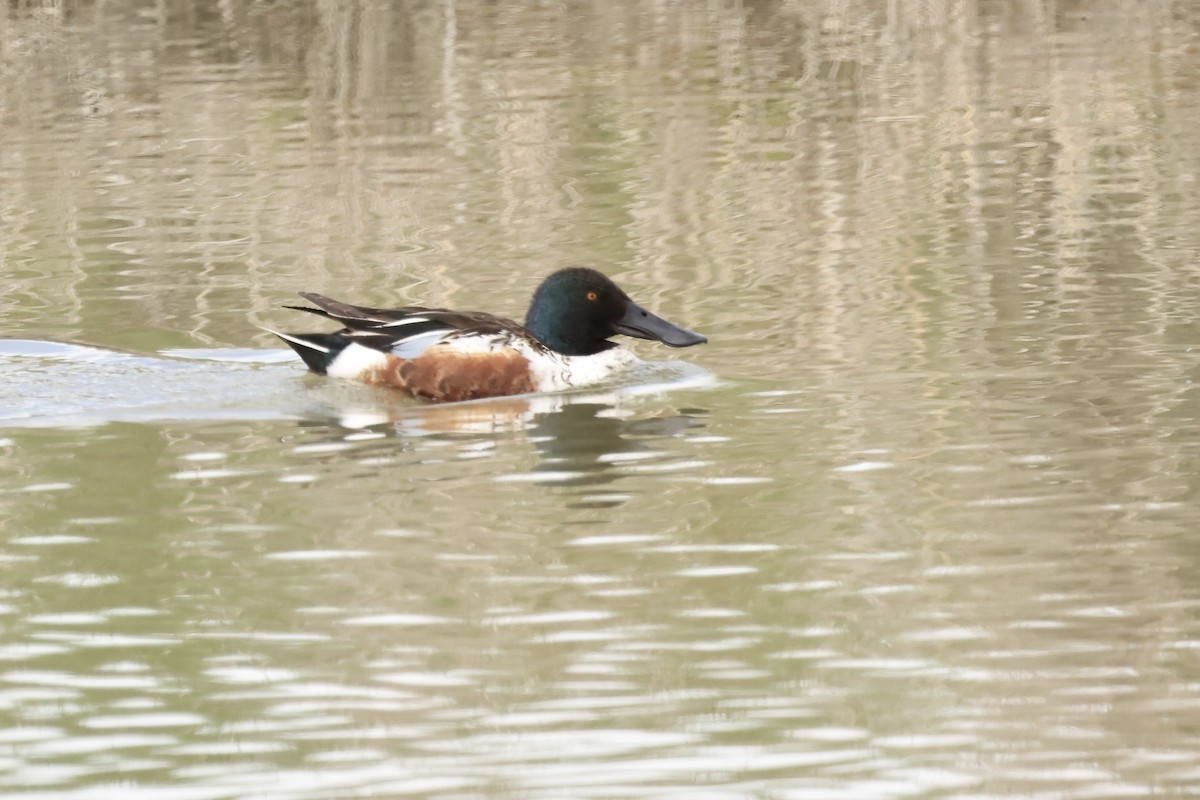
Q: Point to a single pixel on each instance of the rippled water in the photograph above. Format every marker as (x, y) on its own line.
(920, 521)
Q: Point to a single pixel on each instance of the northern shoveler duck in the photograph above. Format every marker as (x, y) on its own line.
(442, 355)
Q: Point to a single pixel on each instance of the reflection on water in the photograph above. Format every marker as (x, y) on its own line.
(918, 522)
(582, 444)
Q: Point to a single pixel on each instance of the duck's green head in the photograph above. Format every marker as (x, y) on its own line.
(576, 310)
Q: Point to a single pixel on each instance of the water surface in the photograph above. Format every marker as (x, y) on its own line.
(920, 521)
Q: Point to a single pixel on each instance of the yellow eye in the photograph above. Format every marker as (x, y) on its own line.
(593, 296)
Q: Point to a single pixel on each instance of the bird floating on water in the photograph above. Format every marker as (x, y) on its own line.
(446, 356)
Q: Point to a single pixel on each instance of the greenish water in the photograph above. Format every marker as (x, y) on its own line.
(920, 521)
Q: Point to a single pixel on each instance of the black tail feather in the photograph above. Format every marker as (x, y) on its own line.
(318, 350)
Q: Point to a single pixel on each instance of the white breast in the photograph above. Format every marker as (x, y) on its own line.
(554, 372)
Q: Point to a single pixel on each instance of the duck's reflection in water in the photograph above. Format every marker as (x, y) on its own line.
(585, 444)
(582, 441)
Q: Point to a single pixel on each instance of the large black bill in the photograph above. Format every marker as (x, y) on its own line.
(641, 324)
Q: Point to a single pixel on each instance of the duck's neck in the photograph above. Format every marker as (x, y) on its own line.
(556, 332)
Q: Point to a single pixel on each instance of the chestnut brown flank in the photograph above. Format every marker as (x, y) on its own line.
(446, 376)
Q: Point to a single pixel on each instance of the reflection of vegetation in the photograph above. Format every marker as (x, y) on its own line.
(191, 161)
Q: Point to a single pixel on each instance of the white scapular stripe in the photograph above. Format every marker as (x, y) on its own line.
(406, 321)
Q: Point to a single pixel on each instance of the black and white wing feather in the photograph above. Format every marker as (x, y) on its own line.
(405, 331)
